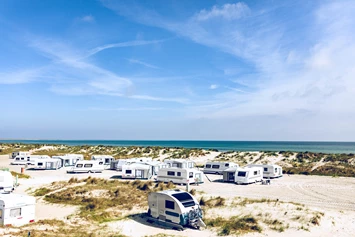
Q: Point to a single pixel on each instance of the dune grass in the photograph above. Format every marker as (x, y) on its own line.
(19, 175)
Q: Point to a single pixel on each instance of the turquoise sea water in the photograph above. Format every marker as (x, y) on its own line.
(325, 147)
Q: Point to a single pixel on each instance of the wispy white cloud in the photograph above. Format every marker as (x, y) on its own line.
(227, 11)
(143, 63)
(126, 109)
(213, 86)
(19, 76)
(88, 18)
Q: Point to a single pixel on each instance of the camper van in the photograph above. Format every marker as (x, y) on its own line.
(180, 163)
(87, 166)
(6, 182)
(217, 167)
(16, 209)
(248, 175)
(270, 171)
(28, 160)
(175, 206)
(106, 159)
(19, 153)
(47, 164)
(180, 175)
(68, 159)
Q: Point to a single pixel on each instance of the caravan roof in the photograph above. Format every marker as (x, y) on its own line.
(10, 200)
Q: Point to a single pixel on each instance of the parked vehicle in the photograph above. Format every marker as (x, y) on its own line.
(68, 159)
(106, 159)
(180, 163)
(217, 167)
(176, 207)
(229, 174)
(47, 164)
(6, 182)
(19, 153)
(269, 171)
(249, 175)
(87, 166)
(141, 170)
(180, 175)
(28, 160)
(16, 209)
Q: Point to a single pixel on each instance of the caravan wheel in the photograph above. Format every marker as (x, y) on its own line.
(149, 212)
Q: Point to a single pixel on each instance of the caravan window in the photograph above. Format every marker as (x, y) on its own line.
(79, 165)
(66, 163)
(15, 212)
(171, 173)
(215, 166)
(208, 166)
(107, 161)
(275, 170)
(191, 174)
(88, 165)
(100, 163)
(40, 163)
(185, 199)
(242, 173)
(178, 173)
(265, 169)
(226, 165)
(24, 158)
(169, 204)
(255, 172)
(128, 171)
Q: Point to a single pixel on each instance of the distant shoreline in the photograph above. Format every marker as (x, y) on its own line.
(276, 146)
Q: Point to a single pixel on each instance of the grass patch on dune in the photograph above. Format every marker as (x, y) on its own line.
(19, 175)
(103, 200)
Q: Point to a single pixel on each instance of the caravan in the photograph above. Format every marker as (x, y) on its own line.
(19, 153)
(16, 209)
(217, 167)
(175, 207)
(180, 175)
(249, 175)
(6, 182)
(68, 159)
(180, 163)
(270, 171)
(87, 166)
(141, 170)
(117, 164)
(28, 160)
(106, 159)
(47, 164)
(229, 174)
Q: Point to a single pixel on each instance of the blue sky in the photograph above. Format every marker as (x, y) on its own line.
(205, 70)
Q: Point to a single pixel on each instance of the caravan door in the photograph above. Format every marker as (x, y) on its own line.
(231, 176)
(139, 174)
(49, 165)
(198, 178)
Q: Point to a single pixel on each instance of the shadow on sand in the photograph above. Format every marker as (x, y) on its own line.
(144, 219)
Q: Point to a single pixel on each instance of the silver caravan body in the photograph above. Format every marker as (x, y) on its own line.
(87, 166)
(6, 182)
(217, 167)
(180, 175)
(270, 171)
(229, 174)
(68, 159)
(180, 163)
(106, 159)
(47, 164)
(175, 206)
(16, 209)
(28, 160)
(19, 153)
(248, 175)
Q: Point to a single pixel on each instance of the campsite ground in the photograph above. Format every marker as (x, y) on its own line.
(333, 196)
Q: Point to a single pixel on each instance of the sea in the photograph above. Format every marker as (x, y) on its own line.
(324, 147)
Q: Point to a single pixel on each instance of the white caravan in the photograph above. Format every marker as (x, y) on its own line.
(19, 153)
(141, 170)
(106, 159)
(248, 175)
(28, 160)
(180, 175)
(180, 163)
(217, 167)
(117, 164)
(6, 182)
(16, 209)
(229, 174)
(69, 159)
(176, 207)
(270, 171)
(47, 164)
(87, 166)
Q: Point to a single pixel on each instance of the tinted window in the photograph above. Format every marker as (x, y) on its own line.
(88, 165)
(208, 166)
(191, 174)
(79, 165)
(15, 212)
(171, 173)
(242, 173)
(169, 204)
(185, 199)
(275, 170)
(40, 164)
(178, 173)
(226, 165)
(265, 169)
(255, 172)
(100, 163)
(215, 166)
(128, 171)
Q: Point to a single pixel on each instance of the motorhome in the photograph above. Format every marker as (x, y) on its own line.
(175, 207)
(249, 175)
(180, 163)
(140, 170)
(28, 160)
(229, 174)
(87, 166)
(6, 182)
(69, 159)
(180, 175)
(16, 209)
(19, 153)
(47, 164)
(217, 167)
(270, 171)
(106, 159)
